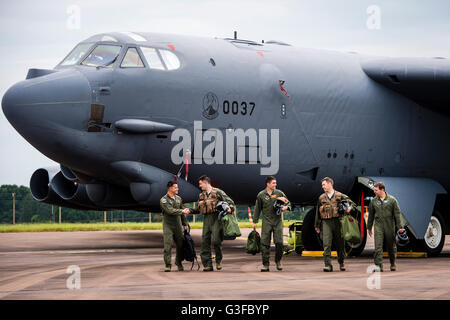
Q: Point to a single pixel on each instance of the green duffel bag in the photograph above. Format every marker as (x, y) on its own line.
(230, 227)
(350, 229)
(253, 243)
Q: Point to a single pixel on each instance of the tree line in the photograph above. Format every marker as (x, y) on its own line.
(28, 210)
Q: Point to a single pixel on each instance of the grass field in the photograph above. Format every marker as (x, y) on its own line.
(117, 226)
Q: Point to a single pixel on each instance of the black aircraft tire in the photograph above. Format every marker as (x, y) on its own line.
(310, 238)
(299, 250)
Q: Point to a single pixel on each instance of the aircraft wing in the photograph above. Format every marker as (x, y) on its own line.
(423, 80)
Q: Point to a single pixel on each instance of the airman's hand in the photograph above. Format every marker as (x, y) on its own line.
(284, 208)
(317, 230)
(186, 211)
(254, 226)
(282, 199)
(349, 209)
(370, 233)
(186, 227)
(229, 210)
(401, 230)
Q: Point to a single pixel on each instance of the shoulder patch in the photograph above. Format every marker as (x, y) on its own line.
(164, 201)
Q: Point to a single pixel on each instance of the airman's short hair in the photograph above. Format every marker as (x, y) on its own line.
(269, 179)
(380, 185)
(205, 178)
(328, 180)
(171, 183)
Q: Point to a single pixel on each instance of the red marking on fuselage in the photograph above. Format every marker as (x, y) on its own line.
(215, 183)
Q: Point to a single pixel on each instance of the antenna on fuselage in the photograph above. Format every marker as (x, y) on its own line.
(235, 35)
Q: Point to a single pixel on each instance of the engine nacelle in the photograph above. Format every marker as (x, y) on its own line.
(111, 196)
(42, 188)
(147, 184)
(71, 191)
(76, 176)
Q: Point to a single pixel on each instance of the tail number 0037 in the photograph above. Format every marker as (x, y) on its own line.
(235, 108)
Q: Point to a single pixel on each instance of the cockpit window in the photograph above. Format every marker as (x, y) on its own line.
(152, 57)
(132, 59)
(103, 55)
(171, 61)
(76, 54)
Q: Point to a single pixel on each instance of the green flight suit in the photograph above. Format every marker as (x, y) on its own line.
(385, 215)
(212, 233)
(331, 227)
(173, 222)
(271, 223)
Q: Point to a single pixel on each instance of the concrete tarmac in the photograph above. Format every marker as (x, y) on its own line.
(129, 265)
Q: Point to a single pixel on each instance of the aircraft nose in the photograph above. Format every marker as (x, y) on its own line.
(62, 97)
(10, 109)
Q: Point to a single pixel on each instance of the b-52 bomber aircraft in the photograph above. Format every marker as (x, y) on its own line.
(126, 112)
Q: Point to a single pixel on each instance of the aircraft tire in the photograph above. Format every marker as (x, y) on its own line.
(434, 239)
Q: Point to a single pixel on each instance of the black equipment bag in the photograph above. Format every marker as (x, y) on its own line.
(189, 253)
(253, 243)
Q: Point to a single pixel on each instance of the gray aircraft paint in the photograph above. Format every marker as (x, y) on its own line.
(338, 121)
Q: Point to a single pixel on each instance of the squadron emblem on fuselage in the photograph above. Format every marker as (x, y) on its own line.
(210, 106)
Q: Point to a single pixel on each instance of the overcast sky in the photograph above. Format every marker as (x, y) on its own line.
(38, 34)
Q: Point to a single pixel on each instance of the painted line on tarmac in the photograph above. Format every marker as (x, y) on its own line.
(385, 254)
